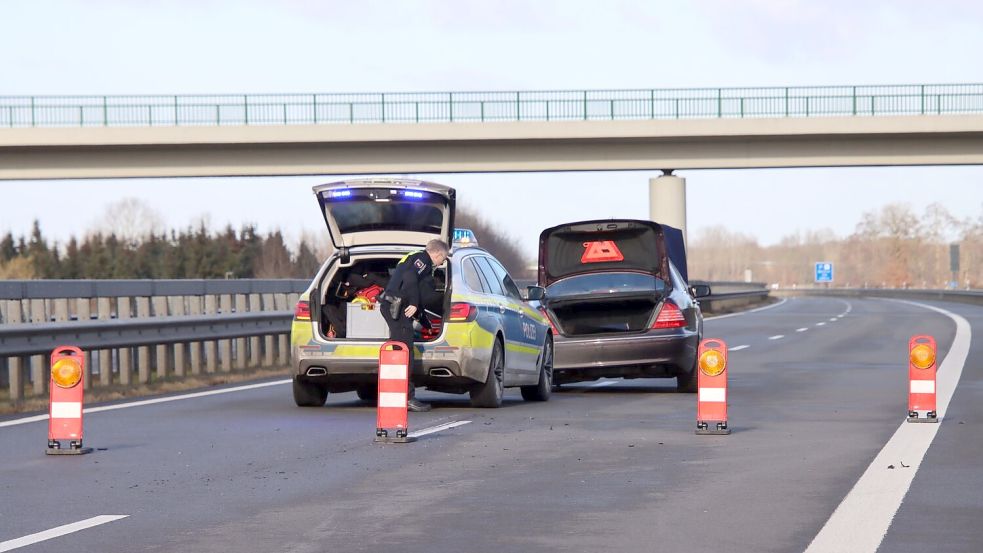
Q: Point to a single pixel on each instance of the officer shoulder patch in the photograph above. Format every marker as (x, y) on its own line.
(419, 264)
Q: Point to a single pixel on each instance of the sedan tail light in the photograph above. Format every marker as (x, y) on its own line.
(462, 313)
(549, 319)
(670, 316)
(303, 311)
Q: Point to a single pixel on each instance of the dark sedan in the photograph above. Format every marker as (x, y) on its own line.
(617, 297)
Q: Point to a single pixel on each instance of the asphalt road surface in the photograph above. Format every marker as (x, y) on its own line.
(605, 466)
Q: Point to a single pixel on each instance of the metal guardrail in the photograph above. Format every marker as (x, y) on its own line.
(436, 107)
(51, 289)
(41, 338)
(961, 296)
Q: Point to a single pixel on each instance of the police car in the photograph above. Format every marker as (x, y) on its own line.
(478, 336)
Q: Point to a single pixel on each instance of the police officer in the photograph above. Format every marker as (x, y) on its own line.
(401, 302)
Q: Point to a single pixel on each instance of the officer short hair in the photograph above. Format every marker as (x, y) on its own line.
(438, 246)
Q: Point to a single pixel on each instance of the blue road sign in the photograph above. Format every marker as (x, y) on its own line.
(824, 271)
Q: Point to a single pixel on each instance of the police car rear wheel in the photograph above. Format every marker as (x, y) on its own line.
(307, 394)
(490, 393)
(542, 390)
(368, 393)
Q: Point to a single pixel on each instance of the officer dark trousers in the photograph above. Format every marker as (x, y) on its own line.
(401, 330)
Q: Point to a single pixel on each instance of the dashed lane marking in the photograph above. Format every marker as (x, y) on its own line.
(739, 348)
(820, 324)
(803, 329)
(776, 337)
(10, 545)
(438, 428)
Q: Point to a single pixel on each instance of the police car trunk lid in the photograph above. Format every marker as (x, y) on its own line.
(385, 212)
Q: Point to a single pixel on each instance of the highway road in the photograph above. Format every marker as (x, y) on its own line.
(817, 390)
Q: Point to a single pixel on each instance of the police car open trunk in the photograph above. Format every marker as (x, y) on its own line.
(369, 221)
(607, 276)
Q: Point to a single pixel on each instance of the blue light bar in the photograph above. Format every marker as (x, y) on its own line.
(341, 193)
(413, 194)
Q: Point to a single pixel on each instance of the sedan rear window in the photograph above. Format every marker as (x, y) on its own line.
(606, 283)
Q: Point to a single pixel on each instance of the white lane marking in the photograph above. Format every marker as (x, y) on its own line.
(803, 329)
(776, 337)
(739, 348)
(820, 324)
(862, 519)
(849, 308)
(36, 418)
(832, 319)
(58, 532)
(772, 306)
(438, 428)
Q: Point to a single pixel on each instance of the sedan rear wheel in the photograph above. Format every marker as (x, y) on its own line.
(542, 390)
(490, 393)
(686, 382)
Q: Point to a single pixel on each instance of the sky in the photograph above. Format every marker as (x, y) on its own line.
(215, 46)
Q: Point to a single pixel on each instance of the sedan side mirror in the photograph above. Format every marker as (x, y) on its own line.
(699, 290)
(535, 293)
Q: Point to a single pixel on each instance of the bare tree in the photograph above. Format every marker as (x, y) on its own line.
(131, 220)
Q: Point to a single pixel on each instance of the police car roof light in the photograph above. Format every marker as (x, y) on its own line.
(413, 194)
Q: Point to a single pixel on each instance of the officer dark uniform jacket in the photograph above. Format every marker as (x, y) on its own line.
(404, 289)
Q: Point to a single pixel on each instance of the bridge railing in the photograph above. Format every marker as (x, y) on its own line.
(448, 107)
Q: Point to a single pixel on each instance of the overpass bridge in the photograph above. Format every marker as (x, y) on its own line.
(46, 137)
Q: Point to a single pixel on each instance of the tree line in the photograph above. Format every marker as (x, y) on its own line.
(194, 252)
(892, 247)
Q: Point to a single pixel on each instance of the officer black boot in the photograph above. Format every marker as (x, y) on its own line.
(414, 404)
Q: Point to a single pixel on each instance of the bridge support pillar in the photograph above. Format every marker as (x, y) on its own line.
(667, 200)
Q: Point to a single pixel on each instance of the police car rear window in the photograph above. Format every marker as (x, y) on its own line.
(357, 216)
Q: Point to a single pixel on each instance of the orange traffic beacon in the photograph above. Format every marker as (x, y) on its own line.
(711, 399)
(65, 406)
(394, 372)
(921, 379)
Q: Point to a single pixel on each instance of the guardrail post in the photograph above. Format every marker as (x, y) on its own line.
(786, 102)
(39, 377)
(225, 346)
(923, 99)
(241, 352)
(163, 359)
(283, 346)
(105, 123)
(143, 352)
(720, 103)
(123, 306)
(268, 340)
(254, 305)
(33, 117)
(518, 107)
(176, 119)
(104, 312)
(245, 108)
(195, 348)
(854, 100)
(450, 103)
(383, 107)
(176, 308)
(15, 365)
(83, 313)
(211, 346)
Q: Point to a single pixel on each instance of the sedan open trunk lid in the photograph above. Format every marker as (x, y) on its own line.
(604, 246)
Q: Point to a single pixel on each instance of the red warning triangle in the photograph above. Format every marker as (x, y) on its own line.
(601, 252)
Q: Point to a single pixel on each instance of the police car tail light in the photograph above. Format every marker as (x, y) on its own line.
(303, 311)
(549, 320)
(462, 313)
(670, 316)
